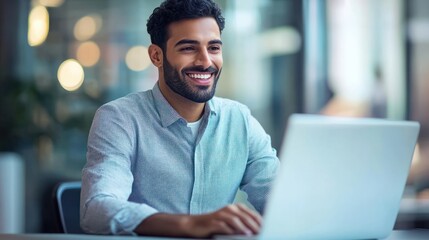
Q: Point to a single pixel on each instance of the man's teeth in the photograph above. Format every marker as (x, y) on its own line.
(200, 76)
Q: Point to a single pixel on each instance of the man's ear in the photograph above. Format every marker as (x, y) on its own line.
(156, 55)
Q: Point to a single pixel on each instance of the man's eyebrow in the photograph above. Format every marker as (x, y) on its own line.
(186, 41)
(217, 41)
(189, 41)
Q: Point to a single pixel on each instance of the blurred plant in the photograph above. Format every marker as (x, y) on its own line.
(17, 99)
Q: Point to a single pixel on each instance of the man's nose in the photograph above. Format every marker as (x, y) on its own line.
(203, 59)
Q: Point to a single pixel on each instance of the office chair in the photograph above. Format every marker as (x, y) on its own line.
(67, 201)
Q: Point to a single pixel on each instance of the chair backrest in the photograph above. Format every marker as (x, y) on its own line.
(67, 199)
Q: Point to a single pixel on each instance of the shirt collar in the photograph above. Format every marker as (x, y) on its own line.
(167, 113)
(211, 107)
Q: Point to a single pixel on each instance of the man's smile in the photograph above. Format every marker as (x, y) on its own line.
(200, 78)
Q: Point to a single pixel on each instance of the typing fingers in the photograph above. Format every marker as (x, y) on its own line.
(241, 219)
(221, 228)
(253, 219)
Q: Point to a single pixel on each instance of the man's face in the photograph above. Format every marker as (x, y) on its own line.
(193, 58)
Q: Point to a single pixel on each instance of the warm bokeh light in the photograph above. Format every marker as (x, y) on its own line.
(70, 75)
(87, 27)
(137, 58)
(50, 3)
(38, 26)
(88, 54)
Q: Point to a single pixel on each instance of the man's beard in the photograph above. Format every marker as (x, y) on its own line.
(178, 83)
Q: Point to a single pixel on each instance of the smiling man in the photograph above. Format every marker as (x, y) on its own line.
(169, 161)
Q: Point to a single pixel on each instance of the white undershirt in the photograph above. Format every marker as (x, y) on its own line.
(194, 127)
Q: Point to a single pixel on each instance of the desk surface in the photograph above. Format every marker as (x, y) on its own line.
(395, 235)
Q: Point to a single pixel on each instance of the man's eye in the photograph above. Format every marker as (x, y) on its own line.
(187, 49)
(215, 48)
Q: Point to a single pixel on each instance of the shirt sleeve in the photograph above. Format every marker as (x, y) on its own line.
(261, 166)
(107, 178)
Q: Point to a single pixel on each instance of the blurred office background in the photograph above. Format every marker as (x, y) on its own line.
(62, 59)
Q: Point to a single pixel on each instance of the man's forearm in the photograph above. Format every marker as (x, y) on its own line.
(161, 224)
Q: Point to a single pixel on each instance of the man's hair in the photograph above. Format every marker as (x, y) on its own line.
(175, 10)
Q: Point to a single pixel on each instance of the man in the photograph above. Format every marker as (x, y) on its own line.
(169, 161)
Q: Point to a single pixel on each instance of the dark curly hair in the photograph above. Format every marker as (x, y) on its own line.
(175, 10)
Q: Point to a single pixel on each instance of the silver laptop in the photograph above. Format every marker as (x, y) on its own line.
(340, 178)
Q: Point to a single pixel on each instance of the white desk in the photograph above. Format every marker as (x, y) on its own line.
(396, 235)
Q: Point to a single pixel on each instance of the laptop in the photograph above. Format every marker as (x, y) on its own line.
(339, 178)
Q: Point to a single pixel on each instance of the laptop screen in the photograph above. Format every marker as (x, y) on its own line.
(340, 178)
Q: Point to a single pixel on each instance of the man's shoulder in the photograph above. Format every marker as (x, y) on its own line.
(221, 104)
(130, 99)
(129, 103)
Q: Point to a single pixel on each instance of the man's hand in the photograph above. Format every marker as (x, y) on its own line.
(232, 219)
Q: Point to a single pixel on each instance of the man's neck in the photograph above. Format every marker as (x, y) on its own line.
(191, 111)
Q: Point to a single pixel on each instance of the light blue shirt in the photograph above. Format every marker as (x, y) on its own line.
(142, 159)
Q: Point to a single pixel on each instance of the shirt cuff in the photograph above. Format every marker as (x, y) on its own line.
(126, 221)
